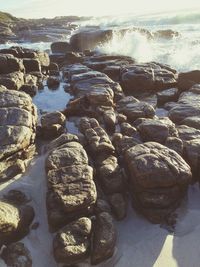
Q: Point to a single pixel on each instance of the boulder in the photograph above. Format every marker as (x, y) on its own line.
(158, 179)
(104, 240)
(13, 81)
(138, 78)
(53, 82)
(8, 64)
(60, 47)
(168, 95)
(18, 118)
(187, 79)
(31, 64)
(29, 89)
(72, 244)
(118, 206)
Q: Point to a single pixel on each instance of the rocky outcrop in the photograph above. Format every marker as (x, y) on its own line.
(187, 79)
(148, 77)
(8, 64)
(158, 179)
(71, 189)
(18, 125)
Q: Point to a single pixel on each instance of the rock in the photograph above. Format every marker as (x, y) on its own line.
(72, 243)
(192, 156)
(156, 130)
(121, 118)
(96, 136)
(134, 109)
(187, 79)
(175, 144)
(53, 82)
(29, 89)
(31, 65)
(113, 72)
(13, 81)
(18, 118)
(85, 40)
(109, 117)
(102, 206)
(104, 239)
(188, 105)
(8, 64)
(71, 190)
(54, 69)
(17, 255)
(193, 121)
(60, 47)
(123, 143)
(167, 34)
(16, 197)
(118, 206)
(167, 95)
(14, 222)
(127, 129)
(187, 133)
(148, 77)
(109, 174)
(158, 179)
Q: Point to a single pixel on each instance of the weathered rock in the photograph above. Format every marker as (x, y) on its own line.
(53, 69)
(158, 179)
(17, 255)
(96, 136)
(123, 143)
(60, 47)
(72, 243)
(14, 222)
(8, 64)
(29, 89)
(71, 190)
(104, 239)
(188, 105)
(16, 197)
(187, 133)
(167, 95)
(187, 79)
(139, 78)
(127, 129)
(13, 81)
(89, 39)
(31, 65)
(118, 206)
(175, 144)
(134, 109)
(53, 82)
(17, 131)
(193, 121)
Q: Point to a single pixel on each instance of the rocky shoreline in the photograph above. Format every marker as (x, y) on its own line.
(122, 150)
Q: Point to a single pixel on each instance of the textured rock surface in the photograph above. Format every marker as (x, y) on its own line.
(72, 243)
(17, 123)
(158, 179)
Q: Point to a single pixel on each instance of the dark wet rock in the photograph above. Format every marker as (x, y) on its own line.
(139, 78)
(16, 197)
(118, 206)
(134, 109)
(158, 179)
(18, 118)
(123, 143)
(188, 105)
(104, 239)
(166, 34)
(127, 129)
(52, 124)
(187, 79)
(53, 69)
(175, 144)
(102, 206)
(31, 65)
(89, 39)
(17, 255)
(29, 89)
(72, 243)
(97, 138)
(167, 95)
(193, 121)
(53, 82)
(14, 222)
(157, 130)
(192, 156)
(60, 47)
(8, 64)
(71, 190)
(13, 81)
(113, 72)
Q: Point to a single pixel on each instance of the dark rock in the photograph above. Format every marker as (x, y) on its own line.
(29, 89)
(8, 64)
(72, 243)
(158, 179)
(167, 95)
(53, 82)
(193, 121)
(16, 197)
(13, 81)
(104, 239)
(60, 47)
(166, 34)
(31, 65)
(17, 255)
(127, 129)
(118, 206)
(187, 79)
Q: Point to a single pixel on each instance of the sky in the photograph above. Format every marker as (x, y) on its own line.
(52, 8)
